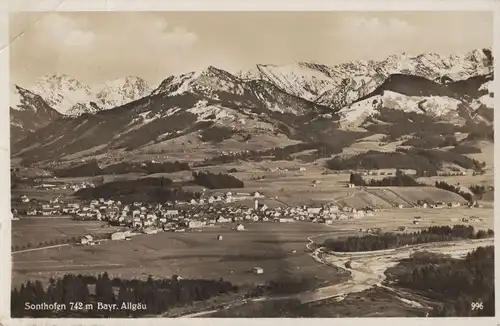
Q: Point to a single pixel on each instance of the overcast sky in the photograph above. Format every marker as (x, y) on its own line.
(94, 47)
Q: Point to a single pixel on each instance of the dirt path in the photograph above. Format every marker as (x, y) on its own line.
(401, 197)
(349, 196)
(41, 248)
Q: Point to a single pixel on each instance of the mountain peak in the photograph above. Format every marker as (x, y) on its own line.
(212, 71)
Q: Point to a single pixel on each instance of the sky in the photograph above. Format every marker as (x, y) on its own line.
(98, 46)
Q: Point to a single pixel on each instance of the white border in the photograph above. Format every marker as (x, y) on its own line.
(214, 5)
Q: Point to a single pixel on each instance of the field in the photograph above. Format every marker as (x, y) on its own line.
(43, 229)
(42, 194)
(278, 248)
(391, 220)
(294, 187)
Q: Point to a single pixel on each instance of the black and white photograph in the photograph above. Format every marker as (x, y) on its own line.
(251, 164)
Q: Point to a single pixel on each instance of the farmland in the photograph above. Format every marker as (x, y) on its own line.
(43, 229)
(278, 248)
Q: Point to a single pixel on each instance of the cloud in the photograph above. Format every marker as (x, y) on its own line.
(99, 46)
(58, 30)
(366, 32)
(152, 32)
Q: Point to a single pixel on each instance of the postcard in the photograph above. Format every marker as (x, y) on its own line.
(251, 164)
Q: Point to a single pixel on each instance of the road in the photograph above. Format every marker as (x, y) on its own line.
(40, 248)
(349, 196)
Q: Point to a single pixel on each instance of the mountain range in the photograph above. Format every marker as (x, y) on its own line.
(62, 118)
(71, 97)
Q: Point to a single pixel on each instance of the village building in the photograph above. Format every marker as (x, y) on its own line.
(118, 236)
(195, 224)
(86, 240)
(258, 270)
(149, 231)
(314, 210)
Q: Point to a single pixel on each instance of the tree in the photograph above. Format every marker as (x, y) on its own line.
(104, 289)
(356, 179)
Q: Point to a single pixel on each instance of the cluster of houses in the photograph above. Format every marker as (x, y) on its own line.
(282, 170)
(440, 204)
(472, 219)
(151, 218)
(58, 207)
(384, 173)
(452, 174)
(64, 186)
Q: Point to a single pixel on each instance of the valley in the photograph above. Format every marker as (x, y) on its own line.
(247, 177)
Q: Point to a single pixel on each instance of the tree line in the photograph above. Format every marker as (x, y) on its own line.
(54, 242)
(92, 168)
(216, 134)
(159, 295)
(399, 180)
(425, 162)
(456, 189)
(430, 130)
(478, 190)
(217, 181)
(143, 190)
(399, 123)
(456, 282)
(322, 149)
(391, 240)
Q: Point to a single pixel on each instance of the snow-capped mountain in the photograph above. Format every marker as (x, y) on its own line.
(219, 85)
(340, 85)
(208, 82)
(306, 80)
(63, 92)
(121, 91)
(433, 105)
(71, 97)
(276, 102)
(410, 93)
(28, 112)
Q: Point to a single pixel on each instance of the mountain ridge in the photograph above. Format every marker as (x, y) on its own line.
(212, 107)
(71, 97)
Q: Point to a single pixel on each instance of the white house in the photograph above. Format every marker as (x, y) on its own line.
(86, 239)
(258, 270)
(314, 210)
(257, 195)
(171, 212)
(222, 219)
(195, 224)
(118, 236)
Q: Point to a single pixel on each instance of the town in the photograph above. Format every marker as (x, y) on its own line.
(150, 218)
